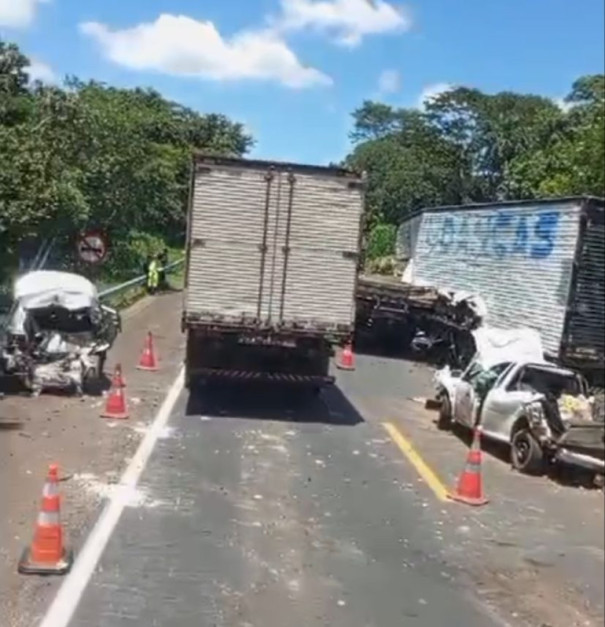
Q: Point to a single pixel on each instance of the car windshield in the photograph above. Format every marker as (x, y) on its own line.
(476, 369)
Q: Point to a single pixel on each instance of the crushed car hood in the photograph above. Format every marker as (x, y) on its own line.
(45, 288)
(500, 345)
(496, 346)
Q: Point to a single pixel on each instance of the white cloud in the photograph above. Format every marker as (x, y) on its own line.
(40, 71)
(180, 45)
(389, 81)
(18, 13)
(348, 21)
(432, 91)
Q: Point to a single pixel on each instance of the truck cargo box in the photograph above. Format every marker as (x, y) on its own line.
(272, 246)
(535, 263)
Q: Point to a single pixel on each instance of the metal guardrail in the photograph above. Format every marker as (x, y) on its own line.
(112, 291)
(140, 280)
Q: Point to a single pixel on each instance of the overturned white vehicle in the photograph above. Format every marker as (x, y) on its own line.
(540, 410)
(58, 333)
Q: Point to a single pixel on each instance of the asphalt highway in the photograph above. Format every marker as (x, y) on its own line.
(263, 509)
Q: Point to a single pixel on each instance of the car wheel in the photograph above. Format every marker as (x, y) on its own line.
(526, 453)
(445, 419)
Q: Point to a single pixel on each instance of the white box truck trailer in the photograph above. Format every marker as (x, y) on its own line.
(273, 252)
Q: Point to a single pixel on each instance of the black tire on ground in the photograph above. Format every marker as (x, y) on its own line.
(445, 419)
(526, 454)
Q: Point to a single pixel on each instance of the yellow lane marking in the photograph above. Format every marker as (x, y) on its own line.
(422, 468)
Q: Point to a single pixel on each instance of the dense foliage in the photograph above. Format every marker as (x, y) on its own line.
(466, 146)
(88, 155)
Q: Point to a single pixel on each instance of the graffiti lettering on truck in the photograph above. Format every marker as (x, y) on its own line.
(496, 234)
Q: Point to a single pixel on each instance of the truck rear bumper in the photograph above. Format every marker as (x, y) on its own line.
(250, 375)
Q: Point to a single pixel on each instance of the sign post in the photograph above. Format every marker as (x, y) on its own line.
(92, 247)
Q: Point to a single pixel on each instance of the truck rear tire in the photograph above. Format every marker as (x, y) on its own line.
(526, 453)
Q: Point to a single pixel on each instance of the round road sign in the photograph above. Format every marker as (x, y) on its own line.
(92, 247)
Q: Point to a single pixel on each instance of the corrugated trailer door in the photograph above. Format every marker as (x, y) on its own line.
(318, 244)
(230, 219)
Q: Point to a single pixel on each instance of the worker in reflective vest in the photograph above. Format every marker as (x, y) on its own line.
(153, 275)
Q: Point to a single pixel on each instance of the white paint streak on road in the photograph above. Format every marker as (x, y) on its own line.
(70, 593)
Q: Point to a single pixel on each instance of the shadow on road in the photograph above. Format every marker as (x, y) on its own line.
(379, 345)
(279, 403)
(455, 348)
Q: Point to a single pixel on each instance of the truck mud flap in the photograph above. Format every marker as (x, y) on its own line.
(249, 375)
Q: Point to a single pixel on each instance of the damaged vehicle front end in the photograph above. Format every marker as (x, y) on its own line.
(57, 333)
(565, 429)
(541, 411)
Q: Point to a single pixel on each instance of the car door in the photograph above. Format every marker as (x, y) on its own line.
(502, 404)
(473, 380)
(464, 397)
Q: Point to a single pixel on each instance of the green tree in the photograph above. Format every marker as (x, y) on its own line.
(91, 155)
(466, 146)
(489, 132)
(571, 161)
(409, 165)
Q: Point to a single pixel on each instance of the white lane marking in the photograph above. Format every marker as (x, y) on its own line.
(65, 603)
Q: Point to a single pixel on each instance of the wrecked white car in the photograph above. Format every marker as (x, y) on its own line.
(57, 333)
(540, 410)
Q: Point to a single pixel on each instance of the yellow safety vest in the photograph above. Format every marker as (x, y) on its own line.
(153, 276)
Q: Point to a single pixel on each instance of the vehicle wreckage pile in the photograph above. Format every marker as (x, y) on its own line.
(432, 322)
(57, 333)
(544, 412)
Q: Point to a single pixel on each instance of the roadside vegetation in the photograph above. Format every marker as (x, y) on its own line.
(465, 146)
(87, 155)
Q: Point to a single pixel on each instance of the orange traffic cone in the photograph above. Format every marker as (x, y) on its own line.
(347, 358)
(116, 401)
(470, 485)
(148, 359)
(118, 379)
(47, 555)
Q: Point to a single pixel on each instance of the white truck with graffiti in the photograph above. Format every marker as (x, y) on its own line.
(534, 263)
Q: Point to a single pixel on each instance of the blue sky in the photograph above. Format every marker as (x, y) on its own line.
(294, 70)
